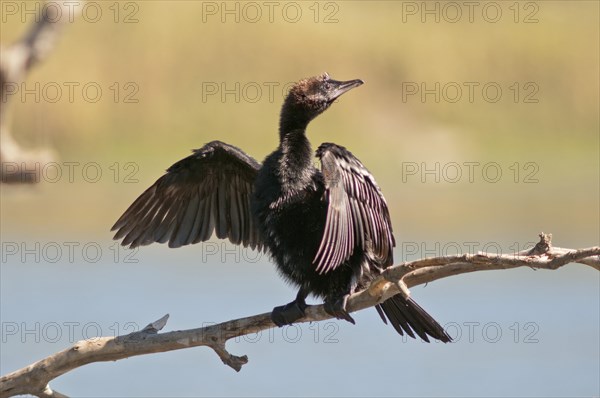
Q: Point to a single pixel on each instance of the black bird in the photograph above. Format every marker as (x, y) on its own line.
(328, 231)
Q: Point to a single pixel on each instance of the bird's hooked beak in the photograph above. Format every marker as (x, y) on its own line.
(338, 88)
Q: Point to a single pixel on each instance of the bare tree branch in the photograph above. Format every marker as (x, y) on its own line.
(34, 378)
(18, 164)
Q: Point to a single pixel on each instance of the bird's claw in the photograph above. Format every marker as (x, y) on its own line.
(337, 309)
(288, 314)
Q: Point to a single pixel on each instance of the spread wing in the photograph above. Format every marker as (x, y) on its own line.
(357, 214)
(208, 191)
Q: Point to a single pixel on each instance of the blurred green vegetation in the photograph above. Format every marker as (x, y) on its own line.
(171, 54)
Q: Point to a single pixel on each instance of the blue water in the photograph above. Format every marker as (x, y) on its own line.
(519, 332)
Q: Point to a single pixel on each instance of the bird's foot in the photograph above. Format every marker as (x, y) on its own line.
(337, 308)
(289, 313)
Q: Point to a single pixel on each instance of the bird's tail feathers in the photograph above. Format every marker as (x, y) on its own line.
(406, 315)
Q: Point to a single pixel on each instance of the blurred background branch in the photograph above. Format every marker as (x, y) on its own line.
(20, 164)
(34, 378)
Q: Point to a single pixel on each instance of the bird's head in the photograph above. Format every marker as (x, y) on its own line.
(310, 97)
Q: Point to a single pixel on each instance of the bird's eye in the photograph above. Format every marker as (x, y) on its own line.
(327, 86)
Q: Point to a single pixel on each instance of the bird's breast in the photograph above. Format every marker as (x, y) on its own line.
(291, 223)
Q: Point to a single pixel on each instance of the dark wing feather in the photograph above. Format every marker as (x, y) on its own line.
(209, 191)
(357, 214)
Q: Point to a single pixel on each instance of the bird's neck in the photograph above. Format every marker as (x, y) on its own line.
(295, 163)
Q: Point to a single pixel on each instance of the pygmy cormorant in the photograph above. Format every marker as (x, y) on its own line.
(328, 231)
